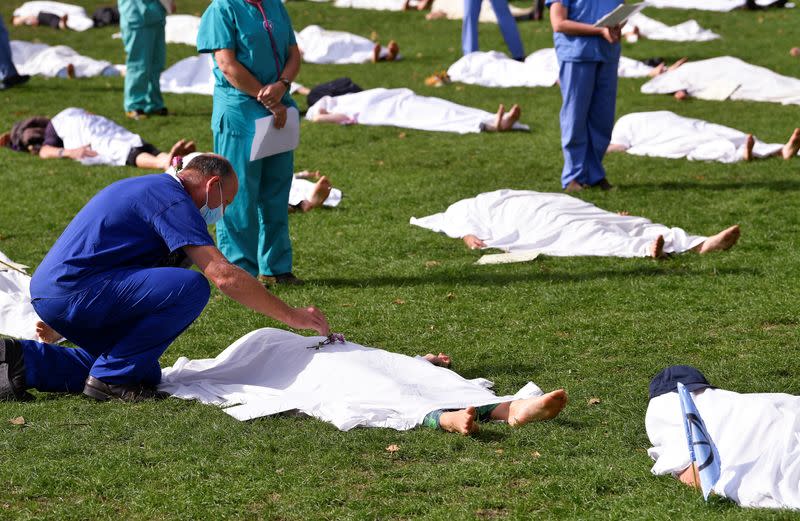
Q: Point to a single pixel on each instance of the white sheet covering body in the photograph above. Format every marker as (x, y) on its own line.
(303, 188)
(269, 371)
(688, 31)
(182, 28)
(378, 5)
(757, 436)
(77, 20)
(17, 317)
(700, 78)
(540, 69)
(666, 134)
(113, 143)
(51, 61)
(553, 224)
(192, 75)
(403, 108)
(454, 10)
(321, 46)
(704, 5)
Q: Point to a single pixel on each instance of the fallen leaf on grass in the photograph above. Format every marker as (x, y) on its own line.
(499, 451)
(535, 454)
(432, 264)
(450, 296)
(593, 401)
(373, 36)
(398, 301)
(392, 448)
(19, 420)
(279, 471)
(347, 305)
(401, 135)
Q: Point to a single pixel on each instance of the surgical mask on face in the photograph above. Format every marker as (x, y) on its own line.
(212, 215)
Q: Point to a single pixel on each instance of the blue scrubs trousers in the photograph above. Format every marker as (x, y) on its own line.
(254, 231)
(506, 22)
(589, 92)
(146, 52)
(122, 324)
(7, 68)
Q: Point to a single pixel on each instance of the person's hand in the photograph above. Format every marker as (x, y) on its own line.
(279, 111)
(271, 94)
(612, 34)
(473, 243)
(80, 152)
(309, 318)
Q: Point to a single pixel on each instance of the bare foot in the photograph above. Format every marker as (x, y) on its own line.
(435, 15)
(62, 24)
(795, 51)
(507, 121)
(393, 50)
(424, 4)
(46, 333)
(70, 71)
(573, 186)
(749, 143)
(678, 63)
(376, 53)
(440, 360)
(538, 408)
(498, 117)
(322, 189)
(792, 146)
(305, 174)
(724, 240)
(616, 147)
(681, 95)
(462, 422)
(657, 247)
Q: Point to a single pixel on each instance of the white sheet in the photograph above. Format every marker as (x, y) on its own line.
(403, 108)
(688, 31)
(270, 371)
(454, 10)
(77, 127)
(77, 20)
(757, 435)
(540, 69)
(302, 189)
(704, 5)
(192, 75)
(319, 45)
(666, 134)
(553, 224)
(182, 28)
(41, 59)
(17, 317)
(755, 83)
(379, 5)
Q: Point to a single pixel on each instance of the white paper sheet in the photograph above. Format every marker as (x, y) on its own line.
(619, 15)
(507, 258)
(269, 140)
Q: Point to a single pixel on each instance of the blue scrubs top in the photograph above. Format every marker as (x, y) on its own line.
(572, 48)
(239, 26)
(133, 223)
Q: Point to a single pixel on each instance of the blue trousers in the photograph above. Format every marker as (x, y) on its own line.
(589, 92)
(146, 53)
(506, 22)
(121, 326)
(7, 68)
(254, 232)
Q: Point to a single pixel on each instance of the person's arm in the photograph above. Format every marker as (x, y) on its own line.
(236, 73)
(51, 152)
(245, 289)
(562, 24)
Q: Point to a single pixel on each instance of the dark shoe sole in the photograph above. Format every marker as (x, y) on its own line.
(102, 392)
(12, 372)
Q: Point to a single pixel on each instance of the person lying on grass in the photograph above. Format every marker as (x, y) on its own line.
(89, 138)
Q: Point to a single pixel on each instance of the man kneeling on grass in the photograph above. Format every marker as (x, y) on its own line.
(104, 286)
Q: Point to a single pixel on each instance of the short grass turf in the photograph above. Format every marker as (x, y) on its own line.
(598, 327)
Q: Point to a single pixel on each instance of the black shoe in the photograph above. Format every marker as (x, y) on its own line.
(284, 278)
(13, 81)
(12, 372)
(604, 185)
(101, 391)
(160, 112)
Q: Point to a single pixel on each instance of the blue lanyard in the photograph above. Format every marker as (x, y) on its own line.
(268, 28)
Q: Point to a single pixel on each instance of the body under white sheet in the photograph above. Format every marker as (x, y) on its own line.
(17, 317)
(51, 61)
(688, 31)
(77, 19)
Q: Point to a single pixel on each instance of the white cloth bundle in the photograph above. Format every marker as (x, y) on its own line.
(757, 436)
(704, 5)
(379, 5)
(77, 20)
(113, 143)
(319, 45)
(192, 75)
(182, 28)
(553, 224)
(540, 69)
(666, 134)
(701, 78)
(269, 371)
(688, 31)
(403, 108)
(17, 317)
(51, 61)
(302, 189)
(454, 10)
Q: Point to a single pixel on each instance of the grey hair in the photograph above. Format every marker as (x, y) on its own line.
(209, 165)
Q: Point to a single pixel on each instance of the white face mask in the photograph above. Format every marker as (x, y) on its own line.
(212, 215)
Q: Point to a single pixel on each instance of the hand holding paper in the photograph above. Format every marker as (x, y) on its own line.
(270, 139)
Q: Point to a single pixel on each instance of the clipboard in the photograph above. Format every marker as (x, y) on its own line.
(620, 15)
(269, 140)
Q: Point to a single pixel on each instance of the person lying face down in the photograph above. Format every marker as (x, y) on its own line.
(757, 437)
(89, 138)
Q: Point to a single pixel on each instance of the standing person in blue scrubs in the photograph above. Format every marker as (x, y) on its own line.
(588, 57)
(109, 286)
(256, 58)
(506, 22)
(142, 24)
(9, 77)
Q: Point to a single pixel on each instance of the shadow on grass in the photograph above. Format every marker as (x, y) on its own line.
(778, 185)
(501, 279)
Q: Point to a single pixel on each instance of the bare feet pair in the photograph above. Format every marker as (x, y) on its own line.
(392, 51)
(788, 151)
(440, 360)
(321, 191)
(504, 121)
(515, 413)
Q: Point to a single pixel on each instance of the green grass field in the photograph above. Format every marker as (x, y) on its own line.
(598, 327)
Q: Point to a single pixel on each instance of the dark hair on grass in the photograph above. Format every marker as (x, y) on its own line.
(208, 165)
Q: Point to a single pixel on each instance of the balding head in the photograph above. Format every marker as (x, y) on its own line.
(202, 172)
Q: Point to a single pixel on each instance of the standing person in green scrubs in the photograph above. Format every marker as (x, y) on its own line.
(142, 23)
(256, 58)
